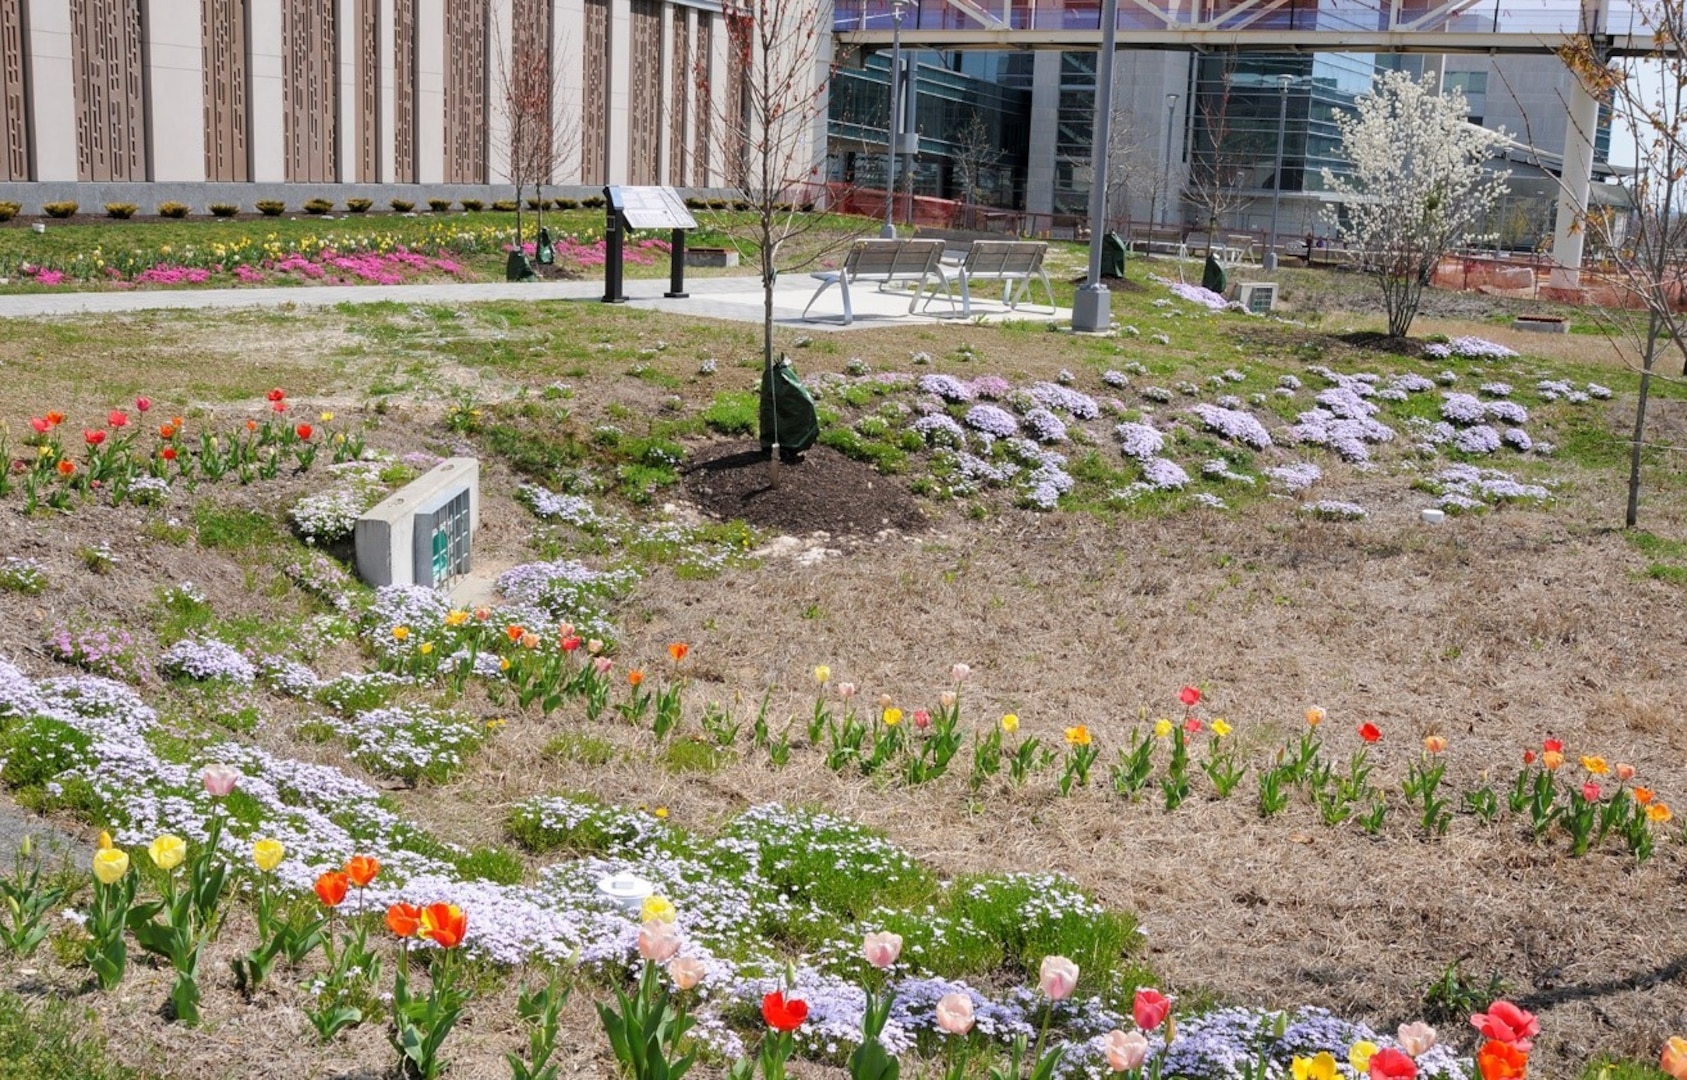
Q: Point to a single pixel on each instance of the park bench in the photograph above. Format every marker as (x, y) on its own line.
(1168, 239)
(1014, 263)
(886, 262)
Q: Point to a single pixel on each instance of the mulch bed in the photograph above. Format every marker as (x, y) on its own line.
(824, 492)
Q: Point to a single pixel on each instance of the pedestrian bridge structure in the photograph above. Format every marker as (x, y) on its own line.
(1618, 27)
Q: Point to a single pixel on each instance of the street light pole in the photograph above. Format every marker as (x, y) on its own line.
(1091, 307)
(1283, 81)
(888, 231)
(1166, 176)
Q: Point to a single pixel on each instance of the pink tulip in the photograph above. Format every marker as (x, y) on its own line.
(1125, 1050)
(658, 941)
(40, 424)
(959, 672)
(922, 719)
(219, 780)
(954, 1013)
(1590, 791)
(1415, 1038)
(1057, 978)
(686, 972)
(881, 949)
(1506, 1023)
(846, 690)
(1150, 1009)
(1624, 771)
(602, 665)
(117, 418)
(142, 404)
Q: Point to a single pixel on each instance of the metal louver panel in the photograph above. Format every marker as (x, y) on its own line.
(14, 122)
(465, 91)
(311, 113)
(679, 109)
(644, 139)
(594, 126)
(223, 37)
(105, 43)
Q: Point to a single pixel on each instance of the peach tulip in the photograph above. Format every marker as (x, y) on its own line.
(954, 1013)
(881, 949)
(1415, 1038)
(1057, 978)
(686, 972)
(1125, 1050)
(658, 941)
(1674, 1059)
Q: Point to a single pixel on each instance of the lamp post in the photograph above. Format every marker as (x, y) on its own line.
(1166, 176)
(1283, 82)
(888, 231)
(1091, 307)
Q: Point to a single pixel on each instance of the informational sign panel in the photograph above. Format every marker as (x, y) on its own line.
(654, 208)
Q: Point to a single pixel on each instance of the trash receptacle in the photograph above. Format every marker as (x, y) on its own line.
(1113, 256)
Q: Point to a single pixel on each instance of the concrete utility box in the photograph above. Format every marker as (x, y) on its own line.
(423, 533)
(1259, 297)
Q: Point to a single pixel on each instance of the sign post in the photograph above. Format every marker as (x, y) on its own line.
(643, 208)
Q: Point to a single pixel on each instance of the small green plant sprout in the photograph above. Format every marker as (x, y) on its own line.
(25, 901)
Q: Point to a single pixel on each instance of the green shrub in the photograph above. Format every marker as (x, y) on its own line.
(58, 209)
(505, 206)
(844, 868)
(120, 210)
(271, 207)
(538, 204)
(439, 206)
(593, 202)
(224, 209)
(172, 210)
(9, 210)
(567, 204)
(474, 205)
(718, 204)
(401, 206)
(695, 203)
(359, 206)
(318, 206)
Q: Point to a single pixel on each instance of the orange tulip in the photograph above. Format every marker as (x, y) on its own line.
(1552, 759)
(1674, 1059)
(634, 677)
(331, 888)
(55, 418)
(514, 632)
(66, 467)
(404, 919)
(444, 924)
(1435, 744)
(678, 650)
(361, 869)
(1642, 795)
(1658, 813)
(1501, 1061)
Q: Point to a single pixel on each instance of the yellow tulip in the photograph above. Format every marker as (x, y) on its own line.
(425, 648)
(267, 854)
(1220, 728)
(110, 864)
(821, 674)
(456, 617)
(1322, 1067)
(1078, 736)
(1360, 1054)
(167, 851)
(104, 841)
(893, 717)
(1162, 728)
(1010, 723)
(657, 909)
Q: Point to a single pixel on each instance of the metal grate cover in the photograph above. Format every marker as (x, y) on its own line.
(441, 545)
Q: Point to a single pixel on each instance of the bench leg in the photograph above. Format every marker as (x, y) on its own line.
(824, 285)
(1047, 288)
(849, 312)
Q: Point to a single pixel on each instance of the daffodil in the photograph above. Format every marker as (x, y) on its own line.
(110, 864)
(1010, 723)
(657, 909)
(1220, 728)
(167, 851)
(1162, 728)
(267, 854)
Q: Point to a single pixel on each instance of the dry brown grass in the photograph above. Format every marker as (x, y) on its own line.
(1495, 631)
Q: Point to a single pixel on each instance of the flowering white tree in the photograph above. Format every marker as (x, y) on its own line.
(1419, 183)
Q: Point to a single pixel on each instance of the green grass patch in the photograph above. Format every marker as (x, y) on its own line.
(579, 825)
(1606, 1069)
(843, 868)
(733, 413)
(233, 529)
(585, 749)
(499, 865)
(53, 1040)
(694, 756)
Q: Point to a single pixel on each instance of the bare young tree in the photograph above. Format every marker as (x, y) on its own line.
(976, 154)
(770, 120)
(1220, 166)
(1127, 168)
(540, 135)
(1646, 247)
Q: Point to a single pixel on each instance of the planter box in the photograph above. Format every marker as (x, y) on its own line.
(710, 257)
(1541, 324)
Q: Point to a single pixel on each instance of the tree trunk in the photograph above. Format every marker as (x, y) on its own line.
(1652, 330)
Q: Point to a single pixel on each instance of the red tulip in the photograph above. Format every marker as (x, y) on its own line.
(55, 418)
(1392, 1064)
(1502, 1061)
(569, 643)
(782, 1013)
(1528, 757)
(117, 418)
(1192, 725)
(93, 437)
(1190, 696)
(1506, 1023)
(404, 919)
(1369, 732)
(279, 406)
(168, 453)
(40, 424)
(1150, 1009)
(444, 924)
(142, 404)
(304, 432)
(361, 869)
(276, 395)
(331, 888)
(1555, 745)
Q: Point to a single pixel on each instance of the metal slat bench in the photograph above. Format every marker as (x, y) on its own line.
(886, 262)
(1015, 263)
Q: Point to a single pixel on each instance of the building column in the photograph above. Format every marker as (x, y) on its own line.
(174, 54)
(430, 91)
(616, 144)
(665, 120)
(1045, 124)
(349, 118)
(386, 94)
(720, 87)
(500, 61)
(266, 132)
(51, 99)
(1573, 188)
(568, 42)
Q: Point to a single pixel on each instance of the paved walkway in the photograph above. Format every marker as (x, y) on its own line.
(736, 299)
